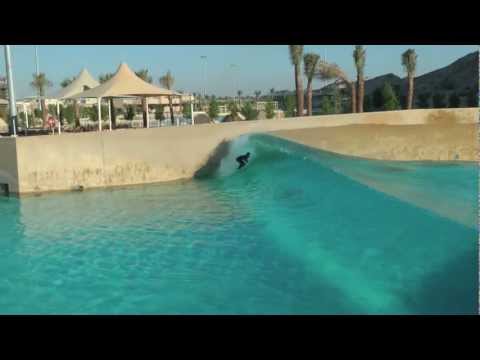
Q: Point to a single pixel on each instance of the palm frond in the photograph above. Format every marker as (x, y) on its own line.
(409, 61)
(296, 52)
(310, 62)
(359, 55)
(167, 80)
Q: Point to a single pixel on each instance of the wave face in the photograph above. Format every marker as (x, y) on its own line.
(297, 231)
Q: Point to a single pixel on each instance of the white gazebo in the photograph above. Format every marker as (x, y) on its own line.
(84, 81)
(125, 83)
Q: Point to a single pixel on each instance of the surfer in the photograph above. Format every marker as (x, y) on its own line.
(243, 160)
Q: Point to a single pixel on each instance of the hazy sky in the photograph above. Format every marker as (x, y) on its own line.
(258, 67)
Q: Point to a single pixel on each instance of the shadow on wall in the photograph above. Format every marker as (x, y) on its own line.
(213, 161)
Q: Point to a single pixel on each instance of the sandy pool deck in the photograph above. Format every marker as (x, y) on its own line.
(393, 142)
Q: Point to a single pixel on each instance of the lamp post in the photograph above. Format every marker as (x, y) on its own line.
(204, 58)
(233, 66)
(37, 72)
(204, 75)
(11, 93)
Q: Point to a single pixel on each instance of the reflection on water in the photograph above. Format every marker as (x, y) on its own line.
(294, 232)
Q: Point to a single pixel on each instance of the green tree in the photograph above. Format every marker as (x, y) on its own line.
(68, 114)
(327, 105)
(423, 100)
(40, 83)
(239, 93)
(213, 109)
(187, 111)
(233, 108)
(93, 112)
(290, 106)
(52, 109)
(37, 113)
(269, 110)
(296, 55)
(257, 94)
(167, 82)
(130, 112)
(337, 100)
(144, 75)
(368, 103)
(439, 100)
(359, 55)
(409, 63)
(272, 93)
(158, 112)
(67, 81)
(249, 111)
(390, 101)
(454, 100)
(22, 118)
(310, 62)
(377, 98)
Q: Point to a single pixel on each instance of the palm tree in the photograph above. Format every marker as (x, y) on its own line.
(272, 93)
(143, 74)
(167, 82)
(103, 78)
(409, 62)
(257, 94)
(327, 71)
(296, 52)
(359, 55)
(40, 83)
(66, 82)
(239, 93)
(310, 62)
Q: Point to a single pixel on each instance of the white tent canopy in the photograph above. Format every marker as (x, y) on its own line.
(124, 83)
(82, 81)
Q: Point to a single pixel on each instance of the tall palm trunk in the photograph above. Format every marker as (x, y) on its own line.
(354, 96)
(410, 92)
(145, 109)
(170, 105)
(299, 89)
(44, 112)
(112, 111)
(361, 91)
(309, 97)
(76, 111)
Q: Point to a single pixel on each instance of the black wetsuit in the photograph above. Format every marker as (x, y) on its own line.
(243, 160)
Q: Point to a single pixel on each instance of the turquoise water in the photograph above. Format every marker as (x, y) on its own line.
(298, 231)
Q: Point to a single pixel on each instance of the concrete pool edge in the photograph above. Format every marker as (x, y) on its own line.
(128, 157)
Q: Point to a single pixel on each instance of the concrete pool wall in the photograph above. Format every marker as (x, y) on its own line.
(128, 157)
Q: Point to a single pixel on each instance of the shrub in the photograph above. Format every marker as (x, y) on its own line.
(390, 101)
(130, 113)
(213, 109)
(269, 110)
(249, 112)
